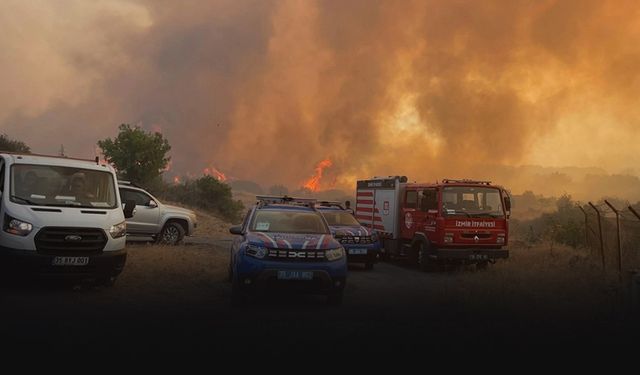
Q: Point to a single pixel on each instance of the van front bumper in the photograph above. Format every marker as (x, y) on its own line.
(30, 263)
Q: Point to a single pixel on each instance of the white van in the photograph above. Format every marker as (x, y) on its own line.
(61, 216)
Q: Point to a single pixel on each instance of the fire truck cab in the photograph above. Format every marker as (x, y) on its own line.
(452, 221)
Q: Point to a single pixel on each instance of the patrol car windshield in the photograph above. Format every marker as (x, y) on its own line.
(471, 201)
(46, 185)
(340, 218)
(288, 222)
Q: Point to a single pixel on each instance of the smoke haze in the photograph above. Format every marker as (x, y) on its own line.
(265, 90)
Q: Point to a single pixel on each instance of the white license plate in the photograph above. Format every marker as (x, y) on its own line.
(357, 251)
(70, 261)
(295, 275)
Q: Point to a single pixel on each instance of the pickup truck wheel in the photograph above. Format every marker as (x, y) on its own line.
(171, 234)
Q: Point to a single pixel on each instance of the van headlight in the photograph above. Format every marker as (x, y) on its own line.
(118, 230)
(17, 227)
(334, 254)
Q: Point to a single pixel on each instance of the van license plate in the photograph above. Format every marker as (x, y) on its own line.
(70, 261)
(295, 275)
(357, 251)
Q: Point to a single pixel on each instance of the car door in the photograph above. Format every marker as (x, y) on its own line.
(147, 214)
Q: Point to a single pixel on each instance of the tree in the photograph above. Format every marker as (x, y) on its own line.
(11, 145)
(139, 156)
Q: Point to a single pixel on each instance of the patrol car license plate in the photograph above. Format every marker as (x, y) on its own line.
(357, 251)
(70, 261)
(295, 275)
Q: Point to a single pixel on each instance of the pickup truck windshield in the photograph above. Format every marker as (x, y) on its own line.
(471, 201)
(46, 185)
(289, 222)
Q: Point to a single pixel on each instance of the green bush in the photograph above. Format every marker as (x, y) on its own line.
(206, 193)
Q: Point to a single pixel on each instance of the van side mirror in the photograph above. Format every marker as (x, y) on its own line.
(507, 205)
(129, 208)
(237, 229)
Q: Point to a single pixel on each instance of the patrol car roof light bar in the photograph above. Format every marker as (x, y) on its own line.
(274, 199)
(465, 181)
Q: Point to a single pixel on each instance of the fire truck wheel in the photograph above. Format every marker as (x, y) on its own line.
(424, 262)
(482, 266)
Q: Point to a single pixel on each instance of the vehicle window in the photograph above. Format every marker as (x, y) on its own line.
(48, 185)
(428, 200)
(337, 218)
(412, 199)
(288, 222)
(139, 197)
(472, 201)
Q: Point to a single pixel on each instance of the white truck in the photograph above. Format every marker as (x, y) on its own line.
(61, 217)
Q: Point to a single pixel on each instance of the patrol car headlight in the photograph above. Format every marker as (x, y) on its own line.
(17, 227)
(334, 254)
(118, 230)
(256, 251)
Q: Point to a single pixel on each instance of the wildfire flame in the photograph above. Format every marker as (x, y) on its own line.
(313, 183)
(176, 180)
(211, 171)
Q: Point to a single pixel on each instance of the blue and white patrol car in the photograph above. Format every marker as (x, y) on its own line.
(361, 244)
(285, 243)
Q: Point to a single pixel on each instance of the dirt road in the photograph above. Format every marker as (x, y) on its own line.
(177, 299)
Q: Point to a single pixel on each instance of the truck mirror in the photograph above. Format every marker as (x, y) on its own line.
(129, 208)
(507, 205)
(237, 229)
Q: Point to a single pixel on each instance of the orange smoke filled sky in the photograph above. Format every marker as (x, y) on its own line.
(264, 90)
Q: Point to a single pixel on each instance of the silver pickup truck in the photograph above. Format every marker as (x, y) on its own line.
(165, 223)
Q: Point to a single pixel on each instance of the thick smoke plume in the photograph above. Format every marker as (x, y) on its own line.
(263, 90)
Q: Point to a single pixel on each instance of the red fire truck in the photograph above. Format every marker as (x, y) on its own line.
(452, 221)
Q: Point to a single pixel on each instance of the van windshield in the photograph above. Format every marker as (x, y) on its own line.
(46, 185)
(471, 201)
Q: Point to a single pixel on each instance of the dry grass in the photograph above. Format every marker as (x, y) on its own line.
(537, 281)
(209, 225)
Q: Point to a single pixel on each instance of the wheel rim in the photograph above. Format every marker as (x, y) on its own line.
(420, 255)
(170, 234)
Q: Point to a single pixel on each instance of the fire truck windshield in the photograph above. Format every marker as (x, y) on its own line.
(472, 201)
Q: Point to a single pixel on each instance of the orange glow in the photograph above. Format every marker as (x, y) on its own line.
(212, 171)
(176, 180)
(313, 183)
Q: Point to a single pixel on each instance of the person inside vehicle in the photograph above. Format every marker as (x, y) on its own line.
(78, 188)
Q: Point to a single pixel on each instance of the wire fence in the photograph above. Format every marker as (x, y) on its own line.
(612, 235)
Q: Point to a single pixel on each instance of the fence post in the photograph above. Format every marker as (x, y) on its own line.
(634, 212)
(586, 226)
(600, 235)
(619, 242)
